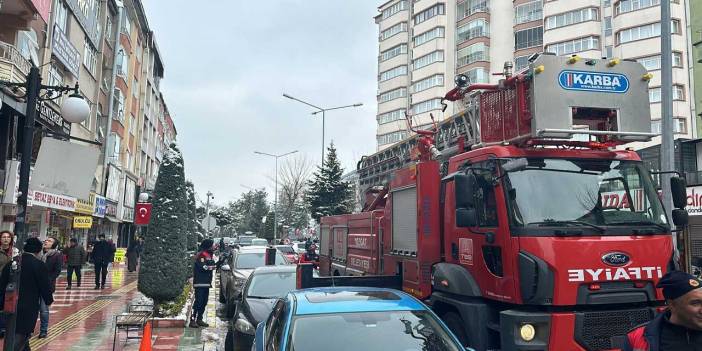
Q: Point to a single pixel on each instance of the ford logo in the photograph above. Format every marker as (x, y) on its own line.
(616, 259)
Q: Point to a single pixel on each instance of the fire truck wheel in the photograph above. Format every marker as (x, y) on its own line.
(455, 323)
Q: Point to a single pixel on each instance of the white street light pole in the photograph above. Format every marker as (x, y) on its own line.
(275, 202)
(322, 110)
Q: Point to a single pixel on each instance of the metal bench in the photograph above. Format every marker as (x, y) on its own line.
(134, 319)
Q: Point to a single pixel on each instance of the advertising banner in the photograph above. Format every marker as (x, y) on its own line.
(82, 222)
(65, 51)
(48, 200)
(100, 206)
(86, 206)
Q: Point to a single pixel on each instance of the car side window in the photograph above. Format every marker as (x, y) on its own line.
(272, 325)
(276, 337)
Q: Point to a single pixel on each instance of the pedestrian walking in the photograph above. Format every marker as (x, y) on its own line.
(680, 327)
(132, 255)
(34, 285)
(76, 258)
(53, 259)
(102, 251)
(6, 255)
(202, 282)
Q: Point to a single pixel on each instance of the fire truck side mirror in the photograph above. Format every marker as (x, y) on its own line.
(678, 189)
(464, 190)
(466, 218)
(680, 217)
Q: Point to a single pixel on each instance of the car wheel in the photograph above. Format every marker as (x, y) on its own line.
(229, 341)
(455, 323)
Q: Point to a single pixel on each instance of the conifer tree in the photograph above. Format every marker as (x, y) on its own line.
(327, 193)
(192, 231)
(163, 268)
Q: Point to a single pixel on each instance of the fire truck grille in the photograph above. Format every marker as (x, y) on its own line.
(594, 330)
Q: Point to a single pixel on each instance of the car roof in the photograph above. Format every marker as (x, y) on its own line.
(276, 269)
(252, 249)
(353, 299)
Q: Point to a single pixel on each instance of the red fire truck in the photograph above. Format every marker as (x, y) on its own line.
(522, 220)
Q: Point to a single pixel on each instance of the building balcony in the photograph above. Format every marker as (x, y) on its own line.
(13, 66)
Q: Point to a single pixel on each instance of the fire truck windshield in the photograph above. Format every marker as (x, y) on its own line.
(591, 193)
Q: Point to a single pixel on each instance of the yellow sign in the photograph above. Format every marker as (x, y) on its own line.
(120, 254)
(86, 206)
(82, 222)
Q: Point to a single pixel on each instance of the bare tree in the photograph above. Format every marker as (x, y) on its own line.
(292, 177)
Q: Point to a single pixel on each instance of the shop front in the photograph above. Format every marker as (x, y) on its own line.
(50, 215)
(111, 223)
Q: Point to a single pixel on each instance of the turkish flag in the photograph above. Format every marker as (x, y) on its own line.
(142, 213)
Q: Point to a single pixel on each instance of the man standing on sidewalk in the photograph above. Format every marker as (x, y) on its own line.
(202, 282)
(54, 261)
(76, 257)
(102, 251)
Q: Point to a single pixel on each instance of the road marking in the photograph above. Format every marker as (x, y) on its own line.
(73, 320)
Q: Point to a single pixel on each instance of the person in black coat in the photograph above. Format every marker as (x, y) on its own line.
(101, 255)
(34, 285)
(54, 262)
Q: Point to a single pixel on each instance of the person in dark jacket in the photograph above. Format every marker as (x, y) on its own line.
(680, 327)
(202, 282)
(132, 255)
(102, 252)
(6, 255)
(54, 262)
(34, 286)
(76, 258)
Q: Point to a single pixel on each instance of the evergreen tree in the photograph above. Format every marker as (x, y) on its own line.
(192, 233)
(327, 193)
(163, 268)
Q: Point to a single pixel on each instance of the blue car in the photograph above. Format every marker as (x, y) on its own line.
(353, 319)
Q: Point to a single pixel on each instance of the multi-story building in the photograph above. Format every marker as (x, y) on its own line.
(696, 59)
(424, 44)
(108, 49)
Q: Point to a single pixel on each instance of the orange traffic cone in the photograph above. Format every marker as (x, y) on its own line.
(146, 338)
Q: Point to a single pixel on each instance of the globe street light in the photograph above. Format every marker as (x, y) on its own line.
(322, 110)
(275, 203)
(74, 110)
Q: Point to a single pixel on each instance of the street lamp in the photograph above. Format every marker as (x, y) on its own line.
(275, 203)
(322, 110)
(74, 110)
(207, 212)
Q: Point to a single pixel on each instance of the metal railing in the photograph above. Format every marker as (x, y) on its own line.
(13, 66)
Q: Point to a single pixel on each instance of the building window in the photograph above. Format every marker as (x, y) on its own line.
(118, 106)
(528, 12)
(428, 59)
(115, 149)
(88, 123)
(608, 25)
(574, 46)
(135, 88)
(654, 94)
(398, 28)
(470, 54)
(437, 32)
(132, 124)
(390, 138)
(472, 29)
(61, 16)
(90, 56)
(470, 7)
(678, 92)
(28, 45)
(108, 28)
(127, 26)
(392, 52)
(528, 38)
(392, 95)
(393, 72)
(571, 17)
(624, 6)
(438, 9)
(652, 63)
(646, 31)
(427, 83)
(679, 125)
(426, 106)
(395, 8)
(122, 62)
(56, 78)
(609, 51)
(391, 116)
(477, 75)
(521, 62)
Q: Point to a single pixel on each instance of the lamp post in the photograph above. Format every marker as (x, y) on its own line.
(207, 211)
(275, 203)
(323, 111)
(74, 110)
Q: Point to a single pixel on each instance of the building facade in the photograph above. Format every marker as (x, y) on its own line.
(424, 44)
(108, 49)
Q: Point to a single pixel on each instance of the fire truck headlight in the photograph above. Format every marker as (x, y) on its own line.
(527, 332)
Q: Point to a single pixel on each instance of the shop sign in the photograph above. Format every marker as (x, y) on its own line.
(120, 254)
(82, 222)
(86, 206)
(694, 200)
(100, 206)
(48, 200)
(110, 208)
(65, 51)
(52, 119)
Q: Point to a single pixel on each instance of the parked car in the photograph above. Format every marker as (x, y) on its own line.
(289, 253)
(259, 242)
(236, 269)
(263, 288)
(352, 319)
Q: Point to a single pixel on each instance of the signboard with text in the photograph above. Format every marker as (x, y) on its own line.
(100, 206)
(48, 200)
(82, 222)
(65, 51)
(86, 206)
(111, 209)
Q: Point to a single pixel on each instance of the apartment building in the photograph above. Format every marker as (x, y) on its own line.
(696, 58)
(476, 38)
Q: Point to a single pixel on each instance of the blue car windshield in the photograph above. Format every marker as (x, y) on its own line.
(370, 331)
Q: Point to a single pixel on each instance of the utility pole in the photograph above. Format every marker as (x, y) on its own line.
(207, 211)
(275, 202)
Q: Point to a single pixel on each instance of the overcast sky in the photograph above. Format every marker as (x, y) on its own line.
(227, 64)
